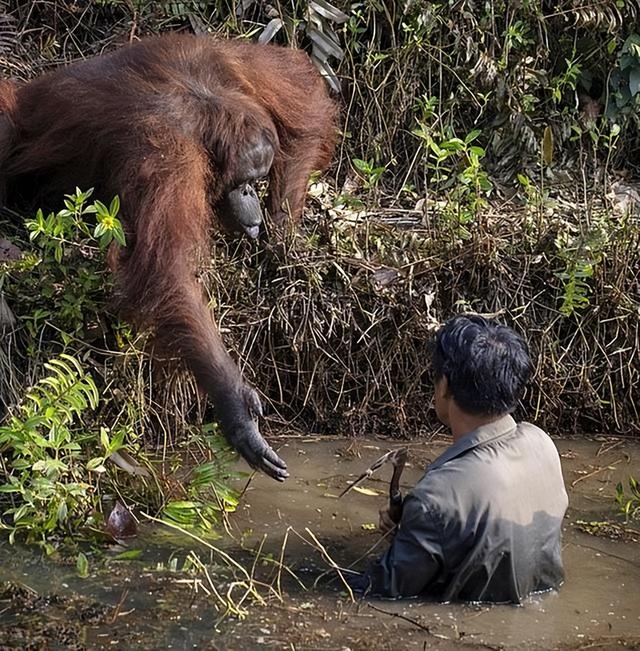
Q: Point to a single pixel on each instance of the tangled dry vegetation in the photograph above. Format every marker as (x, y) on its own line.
(334, 323)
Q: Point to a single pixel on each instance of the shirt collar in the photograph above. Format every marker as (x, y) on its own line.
(479, 436)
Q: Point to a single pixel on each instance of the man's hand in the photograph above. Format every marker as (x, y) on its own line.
(386, 523)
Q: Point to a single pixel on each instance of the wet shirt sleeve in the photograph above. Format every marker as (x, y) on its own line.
(415, 559)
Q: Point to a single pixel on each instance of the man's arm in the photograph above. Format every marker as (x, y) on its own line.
(415, 557)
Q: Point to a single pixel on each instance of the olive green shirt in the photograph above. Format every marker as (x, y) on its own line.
(484, 522)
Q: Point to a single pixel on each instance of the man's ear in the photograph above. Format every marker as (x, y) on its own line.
(442, 388)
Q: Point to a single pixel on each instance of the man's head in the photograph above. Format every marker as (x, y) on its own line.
(481, 365)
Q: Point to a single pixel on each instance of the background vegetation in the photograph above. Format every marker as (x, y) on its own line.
(489, 162)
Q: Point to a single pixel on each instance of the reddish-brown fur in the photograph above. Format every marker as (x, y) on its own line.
(161, 123)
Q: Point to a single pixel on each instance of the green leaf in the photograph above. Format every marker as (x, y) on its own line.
(103, 211)
(119, 237)
(436, 149)
(96, 465)
(129, 555)
(104, 438)
(471, 136)
(114, 208)
(82, 566)
(62, 512)
(182, 504)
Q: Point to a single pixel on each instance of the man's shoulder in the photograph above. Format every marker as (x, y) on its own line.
(476, 465)
(529, 428)
(536, 435)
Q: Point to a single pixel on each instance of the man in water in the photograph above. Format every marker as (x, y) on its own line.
(484, 522)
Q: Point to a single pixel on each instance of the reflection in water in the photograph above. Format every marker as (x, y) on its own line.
(132, 605)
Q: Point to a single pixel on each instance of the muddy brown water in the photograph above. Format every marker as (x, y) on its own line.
(148, 603)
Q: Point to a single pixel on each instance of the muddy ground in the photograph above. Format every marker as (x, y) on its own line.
(152, 602)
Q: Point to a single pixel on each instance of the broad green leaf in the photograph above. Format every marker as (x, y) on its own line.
(82, 566)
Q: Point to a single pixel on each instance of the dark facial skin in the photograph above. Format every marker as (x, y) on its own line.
(239, 209)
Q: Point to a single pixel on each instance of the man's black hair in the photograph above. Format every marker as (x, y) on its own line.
(486, 364)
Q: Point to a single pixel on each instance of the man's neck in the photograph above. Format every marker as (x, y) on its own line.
(461, 423)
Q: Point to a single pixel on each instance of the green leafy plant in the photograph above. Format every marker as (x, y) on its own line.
(369, 171)
(581, 252)
(64, 279)
(455, 165)
(629, 504)
(57, 231)
(207, 492)
(566, 81)
(44, 472)
(517, 37)
(576, 288)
